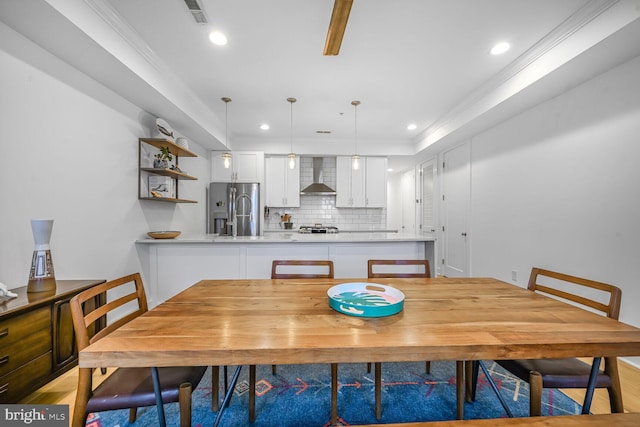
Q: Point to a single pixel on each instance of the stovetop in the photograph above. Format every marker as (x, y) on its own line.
(318, 228)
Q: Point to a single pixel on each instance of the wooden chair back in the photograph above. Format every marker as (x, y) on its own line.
(83, 319)
(422, 263)
(551, 279)
(300, 265)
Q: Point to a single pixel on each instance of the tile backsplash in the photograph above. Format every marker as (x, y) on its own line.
(322, 209)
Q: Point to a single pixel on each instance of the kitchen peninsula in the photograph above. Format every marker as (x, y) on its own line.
(172, 265)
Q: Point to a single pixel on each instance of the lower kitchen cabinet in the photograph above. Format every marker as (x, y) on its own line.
(37, 341)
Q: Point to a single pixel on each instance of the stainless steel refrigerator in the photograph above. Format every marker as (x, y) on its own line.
(234, 208)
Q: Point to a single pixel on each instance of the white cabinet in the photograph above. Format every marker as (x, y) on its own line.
(282, 183)
(349, 183)
(244, 166)
(375, 182)
(362, 188)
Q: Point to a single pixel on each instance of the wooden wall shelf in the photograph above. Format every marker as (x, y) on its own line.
(175, 176)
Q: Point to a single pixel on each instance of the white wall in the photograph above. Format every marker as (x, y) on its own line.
(559, 187)
(69, 153)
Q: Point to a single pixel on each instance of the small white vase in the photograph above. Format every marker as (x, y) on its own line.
(41, 275)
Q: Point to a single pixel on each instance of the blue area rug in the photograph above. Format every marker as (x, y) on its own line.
(300, 395)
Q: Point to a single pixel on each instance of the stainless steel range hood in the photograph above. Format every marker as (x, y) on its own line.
(318, 188)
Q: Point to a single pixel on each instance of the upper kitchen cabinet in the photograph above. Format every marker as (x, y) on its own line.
(349, 184)
(243, 166)
(362, 188)
(375, 182)
(157, 177)
(282, 182)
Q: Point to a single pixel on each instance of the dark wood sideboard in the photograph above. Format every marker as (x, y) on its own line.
(37, 341)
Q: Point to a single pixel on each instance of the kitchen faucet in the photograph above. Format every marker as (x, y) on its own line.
(235, 212)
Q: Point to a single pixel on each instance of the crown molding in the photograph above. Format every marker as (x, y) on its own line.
(501, 86)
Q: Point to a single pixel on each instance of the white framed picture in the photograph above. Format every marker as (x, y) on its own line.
(161, 186)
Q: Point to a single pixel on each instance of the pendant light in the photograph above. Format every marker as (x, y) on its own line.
(226, 156)
(355, 159)
(292, 155)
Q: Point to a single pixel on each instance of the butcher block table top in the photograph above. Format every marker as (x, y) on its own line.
(242, 322)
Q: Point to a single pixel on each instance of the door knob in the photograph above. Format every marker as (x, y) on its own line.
(464, 234)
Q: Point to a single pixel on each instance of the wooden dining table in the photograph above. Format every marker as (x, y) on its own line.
(267, 322)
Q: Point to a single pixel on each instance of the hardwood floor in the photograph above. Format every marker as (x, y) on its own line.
(62, 390)
(630, 382)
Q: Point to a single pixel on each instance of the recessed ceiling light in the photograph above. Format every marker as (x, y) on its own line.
(500, 48)
(218, 38)
(390, 170)
(412, 126)
(264, 126)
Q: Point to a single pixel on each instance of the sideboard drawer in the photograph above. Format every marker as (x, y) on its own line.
(14, 384)
(14, 329)
(23, 338)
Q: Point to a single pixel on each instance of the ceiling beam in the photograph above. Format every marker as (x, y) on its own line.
(337, 26)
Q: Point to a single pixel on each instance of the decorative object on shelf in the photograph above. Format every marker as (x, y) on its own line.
(164, 129)
(164, 234)
(162, 159)
(292, 155)
(41, 275)
(226, 156)
(161, 186)
(6, 294)
(183, 142)
(355, 159)
(365, 299)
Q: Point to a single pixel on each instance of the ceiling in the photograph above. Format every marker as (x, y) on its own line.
(408, 61)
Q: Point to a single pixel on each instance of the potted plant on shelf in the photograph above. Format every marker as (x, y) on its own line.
(162, 159)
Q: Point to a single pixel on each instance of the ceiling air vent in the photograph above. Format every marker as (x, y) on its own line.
(196, 11)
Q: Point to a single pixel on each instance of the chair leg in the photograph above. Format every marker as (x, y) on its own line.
(460, 389)
(82, 397)
(615, 391)
(368, 367)
(427, 367)
(184, 401)
(334, 394)
(252, 393)
(133, 413)
(273, 369)
(378, 389)
(535, 398)
(215, 388)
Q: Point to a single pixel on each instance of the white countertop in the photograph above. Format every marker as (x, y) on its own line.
(288, 237)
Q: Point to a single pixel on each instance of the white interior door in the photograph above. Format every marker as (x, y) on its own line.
(408, 184)
(427, 197)
(456, 195)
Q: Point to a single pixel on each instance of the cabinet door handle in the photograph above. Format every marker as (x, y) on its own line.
(4, 332)
(4, 360)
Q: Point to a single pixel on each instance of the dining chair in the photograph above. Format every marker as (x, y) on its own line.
(300, 269)
(390, 268)
(125, 388)
(295, 269)
(569, 372)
